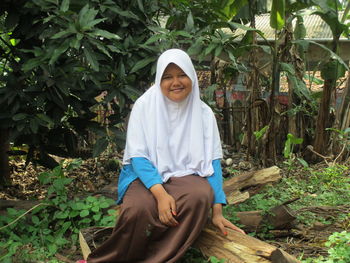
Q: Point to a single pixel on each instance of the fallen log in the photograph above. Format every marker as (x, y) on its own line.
(241, 187)
(240, 248)
(234, 248)
(278, 217)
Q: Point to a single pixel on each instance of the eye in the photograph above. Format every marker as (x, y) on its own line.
(166, 77)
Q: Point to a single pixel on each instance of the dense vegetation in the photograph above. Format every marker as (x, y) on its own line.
(59, 56)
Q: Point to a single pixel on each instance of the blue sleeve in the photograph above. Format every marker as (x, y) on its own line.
(146, 172)
(216, 182)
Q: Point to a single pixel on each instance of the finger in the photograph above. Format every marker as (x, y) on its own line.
(233, 227)
(173, 207)
(171, 220)
(222, 228)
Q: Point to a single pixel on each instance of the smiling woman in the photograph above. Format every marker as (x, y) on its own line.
(175, 84)
(171, 174)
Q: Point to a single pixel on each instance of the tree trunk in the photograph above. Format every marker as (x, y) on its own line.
(323, 118)
(252, 117)
(4, 159)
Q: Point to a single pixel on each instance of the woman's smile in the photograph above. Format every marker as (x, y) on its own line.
(175, 84)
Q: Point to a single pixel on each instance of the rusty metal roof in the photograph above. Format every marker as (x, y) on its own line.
(316, 28)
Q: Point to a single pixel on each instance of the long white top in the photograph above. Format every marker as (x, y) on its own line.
(178, 138)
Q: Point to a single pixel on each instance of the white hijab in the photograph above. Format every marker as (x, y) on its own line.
(178, 138)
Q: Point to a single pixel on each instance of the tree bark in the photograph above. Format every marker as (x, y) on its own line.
(4, 159)
(252, 118)
(279, 217)
(323, 118)
(241, 187)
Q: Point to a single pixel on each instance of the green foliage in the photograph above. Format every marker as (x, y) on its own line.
(338, 249)
(259, 134)
(53, 224)
(288, 151)
(58, 56)
(277, 15)
(326, 187)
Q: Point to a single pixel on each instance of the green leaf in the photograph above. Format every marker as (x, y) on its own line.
(31, 63)
(332, 70)
(62, 34)
(19, 116)
(35, 220)
(104, 205)
(100, 146)
(95, 209)
(190, 22)
(59, 51)
(287, 67)
(92, 23)
(86, 15)
(330, 52)
(303, 162)
(218, 51)
(64, 6)
(96, 217)
(106, 34)
(91, 58)
(34, 125)
(277, 15)
(84, 213)
(142, 63)
(209, 49)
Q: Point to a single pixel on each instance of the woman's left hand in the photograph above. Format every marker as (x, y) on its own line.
(221, 222)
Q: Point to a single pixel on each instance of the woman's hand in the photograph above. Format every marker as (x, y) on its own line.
(166, 205)
(221, 222)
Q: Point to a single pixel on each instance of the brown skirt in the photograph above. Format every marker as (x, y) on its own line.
(139, 236)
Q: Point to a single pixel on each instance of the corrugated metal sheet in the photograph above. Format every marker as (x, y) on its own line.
(316, 28)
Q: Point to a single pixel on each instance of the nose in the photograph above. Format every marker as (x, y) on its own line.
(176, 81)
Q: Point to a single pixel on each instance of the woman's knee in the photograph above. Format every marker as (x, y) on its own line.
(200, 194)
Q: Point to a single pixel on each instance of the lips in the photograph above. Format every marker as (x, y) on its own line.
(177, 89)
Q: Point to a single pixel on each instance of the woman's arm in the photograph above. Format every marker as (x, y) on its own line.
(166, 205)
(216, 182)
(221, 222)
(152, 180)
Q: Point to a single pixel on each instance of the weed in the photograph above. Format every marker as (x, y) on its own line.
(338, 249)
(39, 233)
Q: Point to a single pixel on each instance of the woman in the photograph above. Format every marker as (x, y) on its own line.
(171, 175)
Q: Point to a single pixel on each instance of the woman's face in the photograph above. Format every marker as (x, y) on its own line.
(175, 84)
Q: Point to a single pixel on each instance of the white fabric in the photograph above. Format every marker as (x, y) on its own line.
(178, 138)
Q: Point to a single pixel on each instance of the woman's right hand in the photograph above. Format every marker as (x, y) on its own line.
(166, 205)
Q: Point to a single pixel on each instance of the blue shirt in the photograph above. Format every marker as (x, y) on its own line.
(143, 169)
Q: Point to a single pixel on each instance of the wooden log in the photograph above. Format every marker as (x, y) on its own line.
(278, 217)
(235, 247)
(241, 187)
(240, 248)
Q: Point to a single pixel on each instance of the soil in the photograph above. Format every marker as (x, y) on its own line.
(99, 176)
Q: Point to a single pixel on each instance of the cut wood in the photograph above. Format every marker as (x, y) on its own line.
(235, 247)
(279, 217)
(240, 248)
(241, 187)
